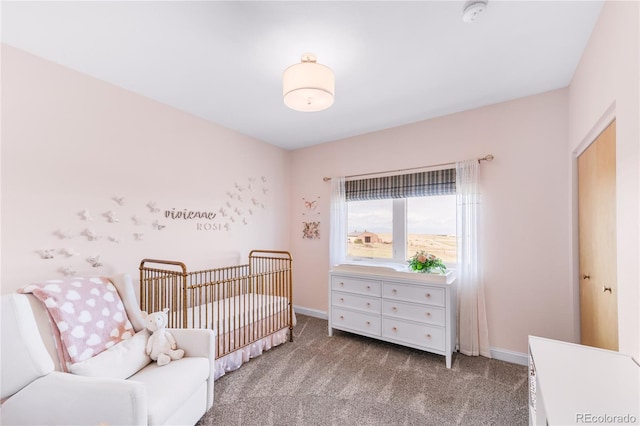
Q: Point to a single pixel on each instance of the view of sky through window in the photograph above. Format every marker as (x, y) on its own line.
(434, 215)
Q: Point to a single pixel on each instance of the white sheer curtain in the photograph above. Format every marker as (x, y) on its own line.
(338, 228)
(473, 335)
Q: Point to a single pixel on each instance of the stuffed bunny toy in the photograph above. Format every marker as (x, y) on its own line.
(161, 346)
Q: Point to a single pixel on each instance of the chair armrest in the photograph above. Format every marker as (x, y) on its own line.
(199, 342)
(195, 341)
(67, 399)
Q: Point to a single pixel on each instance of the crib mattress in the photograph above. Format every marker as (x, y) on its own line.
(235, 312)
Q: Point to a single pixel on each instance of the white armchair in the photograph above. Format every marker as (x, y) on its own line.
(35, 392)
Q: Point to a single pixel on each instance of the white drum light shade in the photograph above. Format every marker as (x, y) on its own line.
(308, 86)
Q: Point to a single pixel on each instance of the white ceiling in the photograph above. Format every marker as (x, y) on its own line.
(395, 62)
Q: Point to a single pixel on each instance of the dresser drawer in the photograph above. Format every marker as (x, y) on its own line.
(422, 313)
(358, 321)
(355, 301)
(416, 294)
(426, 336)
(353, 285)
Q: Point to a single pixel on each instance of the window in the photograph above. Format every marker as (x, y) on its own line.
(431, 226)
(391, 218)
(370, 229)
(378, 231)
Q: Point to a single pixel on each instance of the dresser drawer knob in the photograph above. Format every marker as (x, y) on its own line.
(394, 309)
(341, 283)
(368, 323)
(341, 317)
(368, 304)
(395, 329)
(368, 287)
(394, 291)
(342, 299)
(428, 336)
(428, 314)
(428, 295)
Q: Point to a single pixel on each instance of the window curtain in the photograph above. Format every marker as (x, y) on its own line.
(473, 335)
(434, 182)
(338, 223)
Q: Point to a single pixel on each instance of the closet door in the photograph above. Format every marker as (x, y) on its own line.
(597, 235)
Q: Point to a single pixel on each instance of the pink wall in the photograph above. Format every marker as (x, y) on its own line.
(526, 219)
(71, 142)
(606, 85)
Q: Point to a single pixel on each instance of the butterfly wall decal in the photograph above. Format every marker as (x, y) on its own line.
(46, 253)
(118, 200)
(158, 226)
(69, 252)
(310, 205)
(111, 216)
(68, 271)
(85, 215)
(63, 234)
(94, 261)
(90, 234)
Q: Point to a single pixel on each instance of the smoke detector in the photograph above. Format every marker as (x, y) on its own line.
(473, 9)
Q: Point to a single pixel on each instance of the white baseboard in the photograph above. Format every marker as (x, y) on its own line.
(310, 312)
(510, 356)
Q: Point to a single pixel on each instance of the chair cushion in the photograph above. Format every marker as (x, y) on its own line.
(24, 356)
(169, 386)
(119, 361)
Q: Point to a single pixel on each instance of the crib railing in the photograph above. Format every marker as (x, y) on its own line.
(244, 303)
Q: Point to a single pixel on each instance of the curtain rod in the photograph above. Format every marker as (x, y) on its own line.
(487, 157)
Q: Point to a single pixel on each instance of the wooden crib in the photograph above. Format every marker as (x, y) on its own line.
(245, 304)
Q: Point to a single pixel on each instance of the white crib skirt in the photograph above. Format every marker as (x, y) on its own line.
(234, 360)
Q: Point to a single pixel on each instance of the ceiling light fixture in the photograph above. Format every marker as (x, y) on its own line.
(472, 9)
(308, 86)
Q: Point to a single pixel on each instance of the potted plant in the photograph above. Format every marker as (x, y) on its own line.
(426, 263)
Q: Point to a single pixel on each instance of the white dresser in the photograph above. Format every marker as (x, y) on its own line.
(571, 384)
(407, 308)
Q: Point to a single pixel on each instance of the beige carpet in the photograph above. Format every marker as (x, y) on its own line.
(352, 380)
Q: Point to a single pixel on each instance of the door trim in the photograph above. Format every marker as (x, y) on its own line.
(601, 124)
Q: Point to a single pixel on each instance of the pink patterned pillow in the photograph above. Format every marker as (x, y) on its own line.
(88, 313)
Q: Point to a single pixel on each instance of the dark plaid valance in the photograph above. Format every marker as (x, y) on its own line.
(436, 182)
